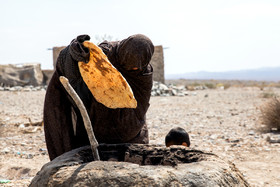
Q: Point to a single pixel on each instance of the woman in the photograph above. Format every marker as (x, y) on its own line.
(131, 57)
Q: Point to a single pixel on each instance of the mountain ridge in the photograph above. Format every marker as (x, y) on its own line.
(260, 74)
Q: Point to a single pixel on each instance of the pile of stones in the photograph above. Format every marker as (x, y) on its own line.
(27, 88)
(160, 89)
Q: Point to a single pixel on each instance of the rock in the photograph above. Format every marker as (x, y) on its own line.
(273, 139)
(235, 141)
(29, 156)
(42, 149)
(21, 75)
(163, 87)
(5, 150)
(251, 133)
(174, 92)
(21, 126)
(183, 168)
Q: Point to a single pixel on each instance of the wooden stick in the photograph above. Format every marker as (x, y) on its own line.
(93, 142)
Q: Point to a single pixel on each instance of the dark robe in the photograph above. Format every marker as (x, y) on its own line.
(109, 125)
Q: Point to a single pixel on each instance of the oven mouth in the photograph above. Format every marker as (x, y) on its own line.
(145, 154)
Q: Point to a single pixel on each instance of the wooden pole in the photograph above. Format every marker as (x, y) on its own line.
(93, 142)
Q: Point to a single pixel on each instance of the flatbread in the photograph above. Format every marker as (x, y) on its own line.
(105, 82)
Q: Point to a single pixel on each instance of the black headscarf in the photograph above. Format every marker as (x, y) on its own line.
(135, 51)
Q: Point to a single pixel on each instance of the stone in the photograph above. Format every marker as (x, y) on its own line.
(251, 133)
(138, 165)
(174, 92)
(163, 87)
(234, 141)
(5, 150)
(273, 139)
(21, 126)
(213, 137)
(42, 149)
(29, 156)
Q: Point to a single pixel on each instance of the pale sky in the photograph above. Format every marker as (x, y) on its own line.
(200, 35)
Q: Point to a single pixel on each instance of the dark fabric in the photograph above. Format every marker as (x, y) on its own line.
(109, 125)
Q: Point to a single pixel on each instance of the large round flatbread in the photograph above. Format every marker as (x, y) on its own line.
(105, 82)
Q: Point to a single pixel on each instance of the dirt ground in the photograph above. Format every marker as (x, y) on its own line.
(224, 122)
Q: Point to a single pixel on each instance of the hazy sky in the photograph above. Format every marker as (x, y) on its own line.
(199, 35)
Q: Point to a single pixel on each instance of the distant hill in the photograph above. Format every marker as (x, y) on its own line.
(261, 74)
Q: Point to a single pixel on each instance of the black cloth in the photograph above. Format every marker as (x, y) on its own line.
(110, 125)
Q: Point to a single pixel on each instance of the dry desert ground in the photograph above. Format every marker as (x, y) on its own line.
(224, 122)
